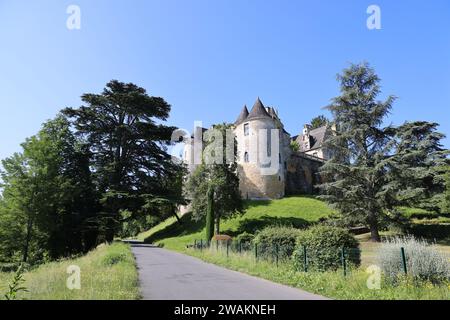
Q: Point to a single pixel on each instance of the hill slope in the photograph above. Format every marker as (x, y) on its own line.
(106, 273)
(298, 211)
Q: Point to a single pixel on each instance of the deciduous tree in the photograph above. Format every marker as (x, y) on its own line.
(220, 177)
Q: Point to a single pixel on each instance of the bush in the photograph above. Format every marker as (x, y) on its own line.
(113, 258)
(423, 261)
(273, 239)
(245, 237)
(324, 248)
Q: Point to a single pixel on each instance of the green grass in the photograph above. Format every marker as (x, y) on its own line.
(107, 273)
(158, 227)
(299, 212)
(416, 212)
(331, 284)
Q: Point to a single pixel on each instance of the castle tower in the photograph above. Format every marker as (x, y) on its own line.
(255, 183)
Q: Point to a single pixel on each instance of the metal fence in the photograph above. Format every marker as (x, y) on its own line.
(307, 259)
(401, 261)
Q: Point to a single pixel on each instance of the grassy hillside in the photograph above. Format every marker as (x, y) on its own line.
(107, 273)
(297, 211)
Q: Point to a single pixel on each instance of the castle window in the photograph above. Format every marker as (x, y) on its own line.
(279, 158)
(246, 129)
(246, 159)
(279, 178)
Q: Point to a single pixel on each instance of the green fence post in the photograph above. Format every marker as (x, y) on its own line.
(405, 268)
(344, 263)
(195, 243)
(305, 259)
(228, 247)
(217, 245)
(201, 244)
(276, 252)
(256, 252)
(240, 247)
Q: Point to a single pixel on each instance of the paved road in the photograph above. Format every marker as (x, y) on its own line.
(167, 275)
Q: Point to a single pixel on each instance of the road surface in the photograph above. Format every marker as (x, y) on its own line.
(167, 275)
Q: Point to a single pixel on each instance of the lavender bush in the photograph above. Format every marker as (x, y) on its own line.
(423, 261)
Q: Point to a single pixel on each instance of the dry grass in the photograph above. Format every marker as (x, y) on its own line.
(107, 273)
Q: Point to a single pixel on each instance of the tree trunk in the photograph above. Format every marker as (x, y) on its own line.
(177, 217)
(217, 223)
(374, 234)
(27, 239)
(210, 216)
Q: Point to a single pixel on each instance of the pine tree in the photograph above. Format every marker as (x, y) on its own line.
(319, 121)
(124, 128)
(374, 169)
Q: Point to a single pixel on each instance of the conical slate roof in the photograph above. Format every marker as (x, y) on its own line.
(258, 111)
(243, 116)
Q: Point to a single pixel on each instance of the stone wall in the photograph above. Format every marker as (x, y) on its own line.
(253, 183)
(302, 174)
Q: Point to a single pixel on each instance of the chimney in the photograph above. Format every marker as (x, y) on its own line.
(306, 129)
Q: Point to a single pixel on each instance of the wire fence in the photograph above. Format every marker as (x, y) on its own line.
(301, 258)
(398, 261)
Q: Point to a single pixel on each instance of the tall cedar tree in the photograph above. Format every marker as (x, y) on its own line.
(128, 142)
(416, 166)
(446, 202)
(221, 179)
(374, 169)
(319, 121)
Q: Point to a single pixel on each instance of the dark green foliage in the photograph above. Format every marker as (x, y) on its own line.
(210, 215)
(127, 142)
(416, 175)
(295, 146)
(319, 121)
(324, 248)
(48, 197)
(133, 225)
(79, 183)
(187, 226)
(276, 238)
(221, 177)
(430, 231)
(245, 237)
(447, 192)
(375, 169)
(114, 258)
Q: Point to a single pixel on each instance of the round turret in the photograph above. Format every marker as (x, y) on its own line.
(261, 163)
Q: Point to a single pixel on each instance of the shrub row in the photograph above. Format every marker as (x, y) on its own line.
(326, 246)
(323, 244)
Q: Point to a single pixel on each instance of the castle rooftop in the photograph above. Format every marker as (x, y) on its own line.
(242, 116)
(258, 111)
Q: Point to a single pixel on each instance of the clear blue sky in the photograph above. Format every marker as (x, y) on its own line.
(207, 58)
